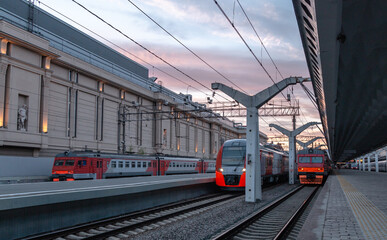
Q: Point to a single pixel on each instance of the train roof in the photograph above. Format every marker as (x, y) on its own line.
(242, 143)
(311, 151)
(123, 156)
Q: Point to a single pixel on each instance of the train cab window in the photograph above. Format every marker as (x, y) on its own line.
(317, 159)
(144, 164)
(69, 163)
(120, 164)
(97, 164)
(139, 164)
(127, 164)
(304, 159)
(133, 164)
(114, 164)
(59, 163)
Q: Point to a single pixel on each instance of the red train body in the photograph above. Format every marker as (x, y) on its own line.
(70, 166)
(231, 165)
(313, 166)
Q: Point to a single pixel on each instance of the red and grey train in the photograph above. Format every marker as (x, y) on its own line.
(231, 165)
(70, 166)
(313, 166)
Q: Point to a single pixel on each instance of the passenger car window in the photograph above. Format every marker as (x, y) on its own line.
(133, 164)
(127, 164)
(114, 164)
(149, 164)
(144, 164)
(120, 164)
(139, 164)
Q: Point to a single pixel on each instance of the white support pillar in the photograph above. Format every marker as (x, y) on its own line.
(292, 139)
(252, 103)
(369, 163)
(363, 164)
(376, 161)
(253, 166)
(305, 145)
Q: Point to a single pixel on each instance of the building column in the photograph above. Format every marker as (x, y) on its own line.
(158, 134)
(3, 73)
(364, 164)
(377, 161)
(369, 163)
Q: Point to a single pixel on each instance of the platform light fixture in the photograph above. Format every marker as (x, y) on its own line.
(122, 94)
(3, 48)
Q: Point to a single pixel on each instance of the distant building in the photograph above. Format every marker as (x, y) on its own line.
(61, 89)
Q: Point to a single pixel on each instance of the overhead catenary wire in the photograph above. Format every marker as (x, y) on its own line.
(277, 69)
(119, 47)
(146, 49)
(247, 45)
(182, 44)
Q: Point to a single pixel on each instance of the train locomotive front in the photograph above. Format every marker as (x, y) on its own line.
(230, 164)
(313, 166)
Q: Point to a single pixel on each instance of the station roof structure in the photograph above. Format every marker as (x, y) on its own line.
(346, 52)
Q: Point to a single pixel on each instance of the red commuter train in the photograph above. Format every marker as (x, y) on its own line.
(70, 166)
(313, 166)
(231, 165)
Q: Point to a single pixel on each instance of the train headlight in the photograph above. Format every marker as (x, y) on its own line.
(244, 170)
(220, 169)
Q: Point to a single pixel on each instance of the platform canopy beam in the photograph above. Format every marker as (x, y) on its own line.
(292, 144)
(252, 103)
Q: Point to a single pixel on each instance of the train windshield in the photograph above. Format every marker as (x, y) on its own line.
(304, 159)
(59, 163)
(233, 155)
(317, 159)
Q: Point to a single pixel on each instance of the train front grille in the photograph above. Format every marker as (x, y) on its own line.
(232, 179)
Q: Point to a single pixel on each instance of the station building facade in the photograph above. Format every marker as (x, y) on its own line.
(63, 90)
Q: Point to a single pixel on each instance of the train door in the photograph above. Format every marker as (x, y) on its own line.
(162, 167)
(99, 168)
(158, 166)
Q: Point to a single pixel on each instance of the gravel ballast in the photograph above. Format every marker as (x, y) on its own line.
(206, 224)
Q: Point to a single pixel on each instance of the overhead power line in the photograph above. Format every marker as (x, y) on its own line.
(143, 47)
(177, 40)
(119, 47)
(247, 45)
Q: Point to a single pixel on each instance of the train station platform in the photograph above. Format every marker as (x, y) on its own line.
(351, 205)
(32, 208)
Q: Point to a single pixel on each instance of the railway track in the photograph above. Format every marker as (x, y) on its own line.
(275, 220)
(132, 224)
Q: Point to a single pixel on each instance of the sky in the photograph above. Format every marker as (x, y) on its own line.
(202, 27)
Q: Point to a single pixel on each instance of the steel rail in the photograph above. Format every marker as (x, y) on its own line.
(104, 222)
(233, 230)
(293, 219)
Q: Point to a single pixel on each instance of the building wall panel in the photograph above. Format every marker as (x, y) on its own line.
(110, 121)
(57, 110)
(26, 55)
(86, 116)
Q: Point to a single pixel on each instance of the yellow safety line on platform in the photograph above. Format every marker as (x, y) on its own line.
(371, 219)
